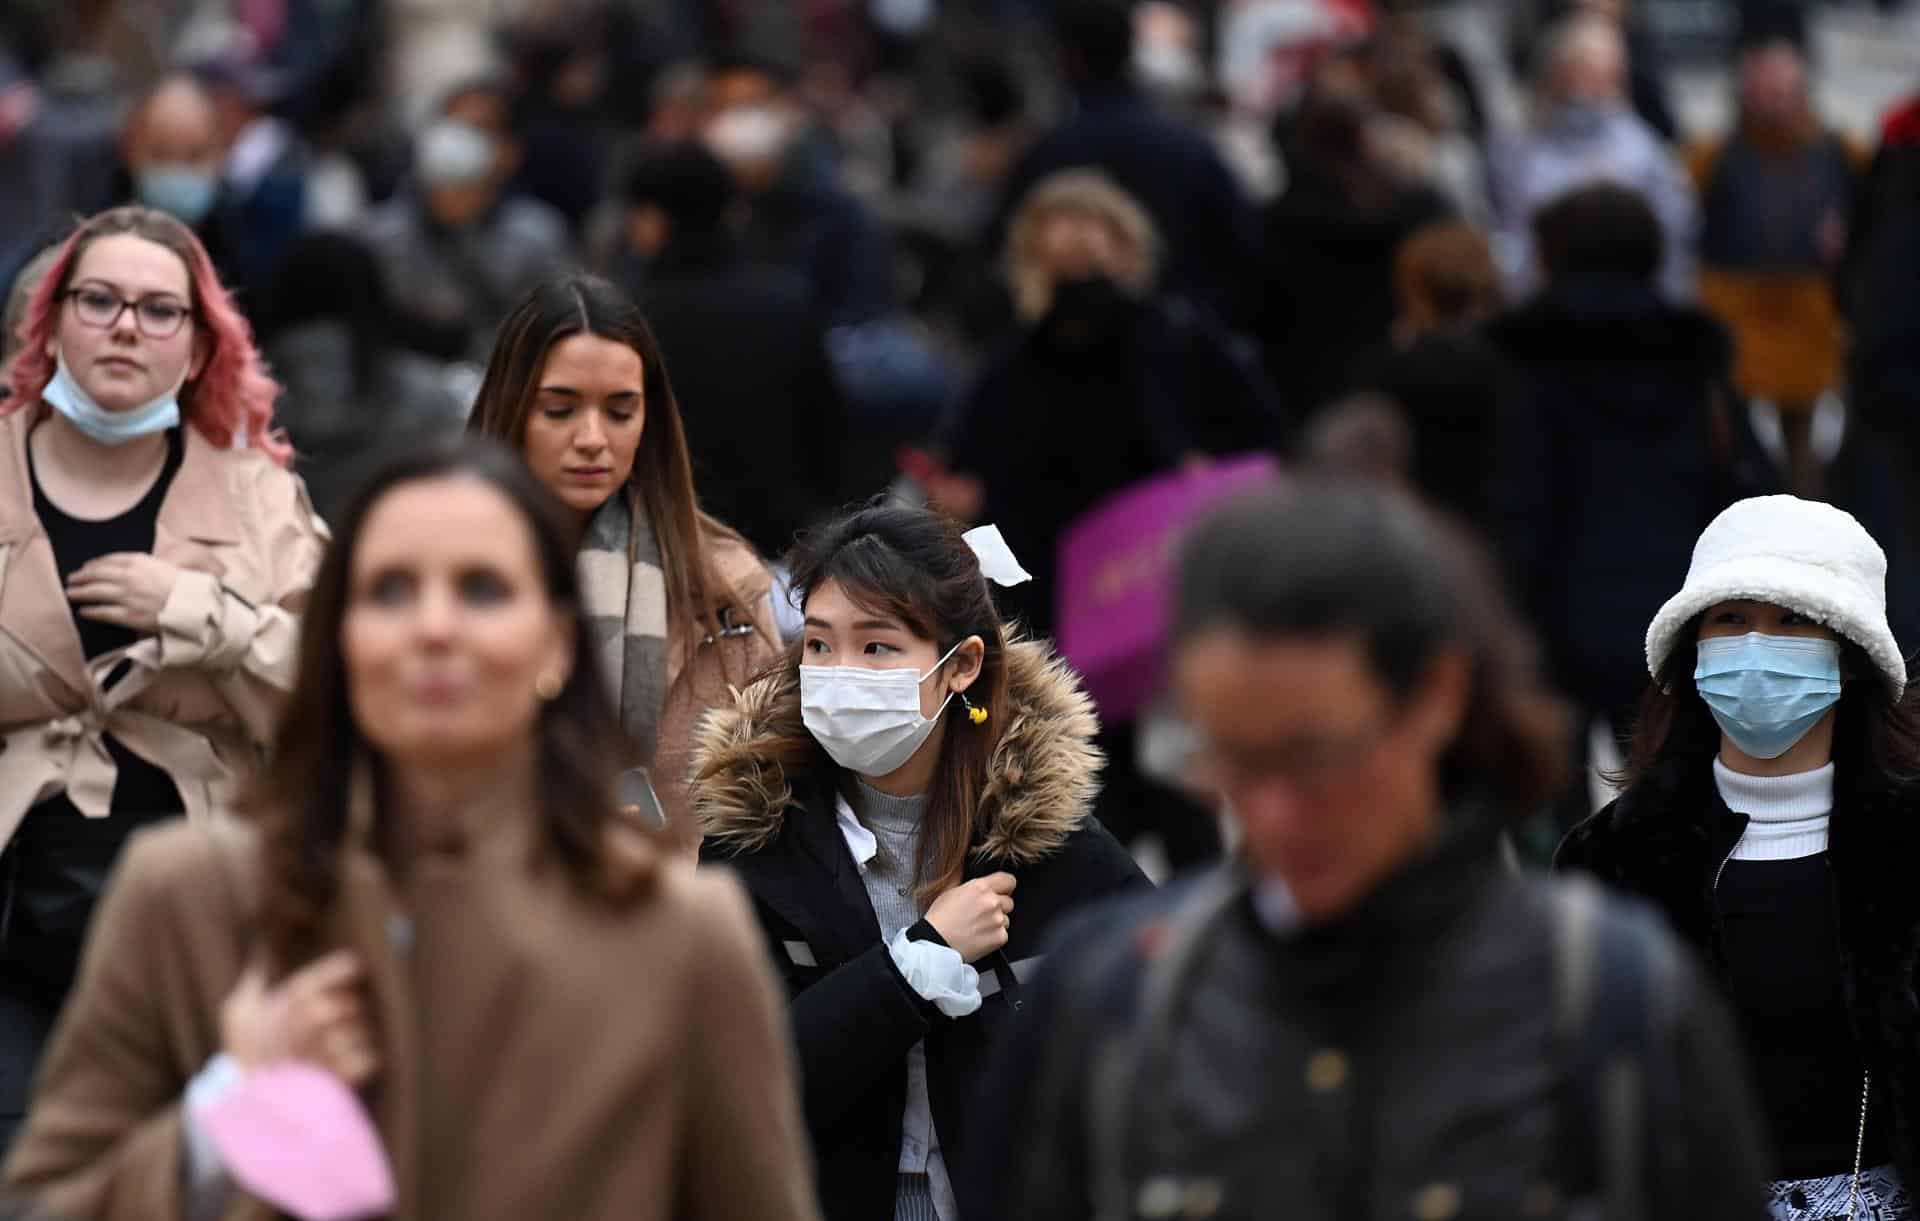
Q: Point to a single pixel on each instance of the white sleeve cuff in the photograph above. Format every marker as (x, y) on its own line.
(937, 973)
(205, 1174)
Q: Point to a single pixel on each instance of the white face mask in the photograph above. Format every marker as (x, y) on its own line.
(869, 721)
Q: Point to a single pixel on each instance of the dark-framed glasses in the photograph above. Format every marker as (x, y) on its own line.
(158, 315)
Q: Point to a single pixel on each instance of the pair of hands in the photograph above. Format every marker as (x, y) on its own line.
(317, 1015)
(974, 917)
(127, 589)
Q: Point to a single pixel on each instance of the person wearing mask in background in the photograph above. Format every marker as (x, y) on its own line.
(434, 902)
(678, 602)
(1369, 1014)
(907, 800)
(1440, 369)
(352, 395)
(798, 216)
(154, 557)
(172, 156)
(1769, 815)
(263, 180)
(1174, 172)
(1107, 384)
(1585, 132)
(458, 246)
(1330, 240)
(1774, 201)
(766, 425)
(1617, 443)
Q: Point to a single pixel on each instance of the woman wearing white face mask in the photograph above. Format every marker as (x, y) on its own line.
(1770, 812)
(907, 800)
(154, 556)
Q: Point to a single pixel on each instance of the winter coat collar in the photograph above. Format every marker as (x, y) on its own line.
(755, 762)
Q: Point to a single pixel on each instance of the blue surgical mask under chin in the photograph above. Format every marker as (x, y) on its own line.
(1766, 692)
(65, 395)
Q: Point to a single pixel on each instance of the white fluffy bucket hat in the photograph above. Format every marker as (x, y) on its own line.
(1800, 554)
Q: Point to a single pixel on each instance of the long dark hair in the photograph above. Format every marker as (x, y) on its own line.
(912, 565)
(662, 482)
(303, 799)
(1324, 560)
(1874, 734)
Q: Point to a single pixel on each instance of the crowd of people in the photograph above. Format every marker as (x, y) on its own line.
(950, 611)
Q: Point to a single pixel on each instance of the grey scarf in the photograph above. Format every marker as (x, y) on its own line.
(624, 596)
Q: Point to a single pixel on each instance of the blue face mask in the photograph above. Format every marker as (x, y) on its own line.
(65, 395)
(1765, 691)
(180, 191)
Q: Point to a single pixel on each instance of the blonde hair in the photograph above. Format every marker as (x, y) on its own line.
(1094, 196)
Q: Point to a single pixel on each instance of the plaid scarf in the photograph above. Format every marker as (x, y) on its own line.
(624, 596)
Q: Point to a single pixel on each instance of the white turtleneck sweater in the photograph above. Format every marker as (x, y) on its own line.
(1787, 815)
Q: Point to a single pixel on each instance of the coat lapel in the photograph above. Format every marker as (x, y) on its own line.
(32, 599)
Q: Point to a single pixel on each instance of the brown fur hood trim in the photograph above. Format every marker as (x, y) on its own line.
(1044, 773)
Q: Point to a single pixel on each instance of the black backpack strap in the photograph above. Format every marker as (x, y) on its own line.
(1615, 982)
(1120, 1064)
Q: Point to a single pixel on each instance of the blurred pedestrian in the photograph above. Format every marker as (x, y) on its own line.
(908, 801)
(158, 555)
(1775, 196)
(1585, 132)
(172, 155)
(436, 905)
(1618, 442)
(1330, 241)
(1173, 171)
(1440, 368)
(798, 215)
(677, 601)
(458, 245)
(766, 425)
(1106, 385)
(1368, 1015)
(1768, 815)
(351, 395)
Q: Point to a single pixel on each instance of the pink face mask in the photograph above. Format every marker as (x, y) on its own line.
(297, 1138)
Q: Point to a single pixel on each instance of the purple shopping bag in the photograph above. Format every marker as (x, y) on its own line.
(1116, 569)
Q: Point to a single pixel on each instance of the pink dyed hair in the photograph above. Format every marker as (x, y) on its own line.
(233, 396)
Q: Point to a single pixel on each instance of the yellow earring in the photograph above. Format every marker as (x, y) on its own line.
(977, 715)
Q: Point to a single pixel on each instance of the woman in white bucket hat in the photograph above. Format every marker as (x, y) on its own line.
(1773, 812)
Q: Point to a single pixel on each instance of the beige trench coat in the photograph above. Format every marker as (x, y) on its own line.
(200, 698)
(544, 1054)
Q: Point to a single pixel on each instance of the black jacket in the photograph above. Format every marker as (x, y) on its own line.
(1618, 443)
(1666, 839)
(855, 1018)
(1448, 384)
(766, 425)
(1400, 1061)
(1050, 429)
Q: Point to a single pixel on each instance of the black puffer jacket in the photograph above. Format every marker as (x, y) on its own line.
(1666, 840)
(855, 1017)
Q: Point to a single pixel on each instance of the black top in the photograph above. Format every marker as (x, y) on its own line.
(58, 860)
(1782, 944)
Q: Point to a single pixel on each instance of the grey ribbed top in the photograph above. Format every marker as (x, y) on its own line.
(890, 878)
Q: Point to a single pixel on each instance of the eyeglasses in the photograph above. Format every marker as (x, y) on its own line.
(1309, 764)
(158, 317)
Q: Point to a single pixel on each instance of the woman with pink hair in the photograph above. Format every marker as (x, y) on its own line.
(154, 556)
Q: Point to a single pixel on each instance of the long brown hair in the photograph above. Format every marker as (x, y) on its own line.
(912, 565)
(662, 481)
(303, 800)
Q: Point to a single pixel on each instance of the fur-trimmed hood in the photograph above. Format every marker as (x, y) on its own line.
(755, 762)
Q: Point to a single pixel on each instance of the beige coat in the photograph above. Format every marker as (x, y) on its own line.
(546, 1055)
(720, 668)
(201, 697)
